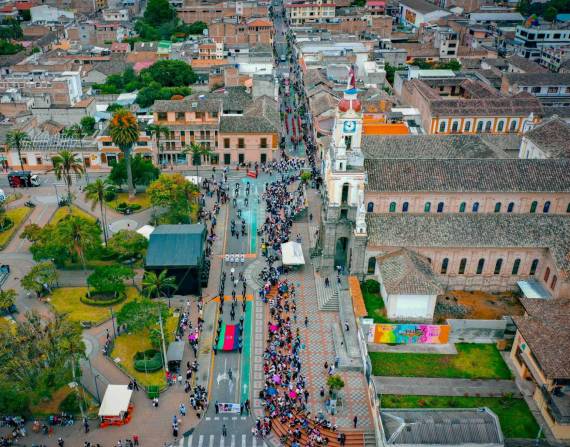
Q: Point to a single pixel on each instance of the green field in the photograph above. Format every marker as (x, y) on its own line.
(18, 216)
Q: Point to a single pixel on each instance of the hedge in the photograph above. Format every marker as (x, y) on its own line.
(110, 302)
(148, 361)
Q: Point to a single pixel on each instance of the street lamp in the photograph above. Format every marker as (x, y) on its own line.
(113, 321)
(96, 387)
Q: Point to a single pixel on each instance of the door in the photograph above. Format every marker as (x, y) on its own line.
(341, 251)
(215, 159)
(263, 158)
(241, 158)
(227, 159)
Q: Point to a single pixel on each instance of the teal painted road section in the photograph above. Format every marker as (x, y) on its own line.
(246, 353)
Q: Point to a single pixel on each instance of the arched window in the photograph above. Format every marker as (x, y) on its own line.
(547, 274)
(500, 126)
(498, 207)
(462, 266)
(479, 126)
(392, 207)
(514, 124)
(488, 126)
(429, 261)
(345, 191)
(467, 126)
(475, 207)
(568, 208)
(371, 265)
(516, 266)
(440, 207)
(427, 207)
(442, 126)
(533, 267)
(454, 126)
(498, 266)
(533, 206)
(546, 207)
(444, 265)
(510, 207)
(553, 283)
(480, 266)
(405, 207)
(370, 207)
(462, 207)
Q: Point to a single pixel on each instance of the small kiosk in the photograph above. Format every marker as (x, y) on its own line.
(116, 408)
(174, 355)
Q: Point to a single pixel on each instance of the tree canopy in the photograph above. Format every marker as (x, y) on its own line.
(128, 244)
(88, 124)
(10, 29)
(144, 171)
(178, 195)
(170, 73)
(41, 275)
(109, 279)
(158, 12)
(7, 48)
(141, 314)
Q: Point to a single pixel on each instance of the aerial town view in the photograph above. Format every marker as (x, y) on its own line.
(301, 223)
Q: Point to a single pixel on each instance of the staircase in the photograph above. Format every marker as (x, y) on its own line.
(327, 297)
(369, 439)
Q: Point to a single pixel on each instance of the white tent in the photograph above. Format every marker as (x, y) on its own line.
(146, 230)
(116, 401)
(194, 179)
(292, 253)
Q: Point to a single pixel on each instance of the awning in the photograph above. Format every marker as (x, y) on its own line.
(533, 289)
(175, 351)
(111, 150)
(116, 400)
(292, 253)
(146, 230)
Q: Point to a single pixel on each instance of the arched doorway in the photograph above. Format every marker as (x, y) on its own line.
(371, 265)
(340, 252)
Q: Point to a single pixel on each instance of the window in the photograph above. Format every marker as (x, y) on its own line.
(427, 207)
(498, 266)
(479, 126)
(568, 208)
(263, 143)
(214, 114)
(444, 265)
(516, 266)
(241, 143)
(547, 274)
(442, 126)
(546, 207)
(454, 126)
(533, 267)
(462, 207)
(199, 115)
(553, 283)
(392, 208)
(180, 116)
(162, 116)
(405, 206)
(498, 207)
(462, 266)
(510, 207)
(500, 126)
(488, 126)
(535, 89)
(344, 194)
(226, 143)
(440, 207)
(552, 89)
(370, 207)
(513, 127)
(480, 266)
(371, 265)
(467, 127)
(475, 207)
(533, 206)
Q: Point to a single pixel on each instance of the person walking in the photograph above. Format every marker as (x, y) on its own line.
(355, 421)
(182, 409)
(224, 431)
(306, 321)
(60, 442)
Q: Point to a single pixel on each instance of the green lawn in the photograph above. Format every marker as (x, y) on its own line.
(18, 216)
(472, 361)
(373, 301)
(516, 419)
(63, 212)
(140, 198)
(66, 300)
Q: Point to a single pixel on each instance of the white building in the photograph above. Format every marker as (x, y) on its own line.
(530, 40)
(549, 139)
(415, 12)
(45, 14)
(300, 13)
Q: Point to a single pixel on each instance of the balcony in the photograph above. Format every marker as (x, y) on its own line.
(558, 403)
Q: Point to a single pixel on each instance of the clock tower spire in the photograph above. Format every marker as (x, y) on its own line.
(347, 131)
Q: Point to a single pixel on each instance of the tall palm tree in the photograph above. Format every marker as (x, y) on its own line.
(95, 193)
(158, 285)
(77, 131)
(77, 232)
(66, 163)
(14, 140)
(124, 131)
(156, 131)
(199, 152)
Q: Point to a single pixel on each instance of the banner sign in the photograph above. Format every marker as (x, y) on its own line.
(228, 408)
(409, 333)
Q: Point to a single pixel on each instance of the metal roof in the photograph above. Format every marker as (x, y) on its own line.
(176, 246)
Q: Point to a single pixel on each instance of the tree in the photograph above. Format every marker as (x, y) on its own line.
(148, 95)
(79, 233)
(40, 278)
(7, 48)
(158, 12)
(156, 286)
(170, 73)
(15, 140)
(199, 152)
(143, 171)
(178, 195)
(192, 29)
(88, 124)
(550, 14)
(95, 193)
(78, 131)
(141, 314)
(65, 163)
(335, 383)
(128, 244)
(7, 299)
(5, 222)
(109, 279)
(156, 131)
(124, 131)
(114, 107)
(453, 65)
(10, 29)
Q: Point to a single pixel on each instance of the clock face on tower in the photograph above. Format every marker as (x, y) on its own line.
(349, 126)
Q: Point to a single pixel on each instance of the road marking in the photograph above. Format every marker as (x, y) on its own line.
(211, 444)
(208, 418)
(200, 440)
(243, 441)
(233, 443)
(217, 418)
(255, 441)
(189, 443)
(243, 418)
(234, 418)
(222, 441)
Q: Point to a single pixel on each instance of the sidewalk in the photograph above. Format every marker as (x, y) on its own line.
(444, 387)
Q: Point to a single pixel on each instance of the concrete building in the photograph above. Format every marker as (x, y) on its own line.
(415, 12)
(300, 12)
(553, 89)
(554, 58)
(529, 40)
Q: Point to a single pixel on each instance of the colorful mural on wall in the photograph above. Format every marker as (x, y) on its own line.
(409, 333)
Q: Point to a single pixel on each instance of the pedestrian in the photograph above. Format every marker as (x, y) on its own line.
(216, 407)
(327, 282)
(135, 385)
(155, 402)
(182, 409)
(326, 365)
(60, 442)
(224, 431)
(355, 421)
(322, 391)
(336, 362)
(86, 425)
(346, 326)
(306, 321)
(135, 439)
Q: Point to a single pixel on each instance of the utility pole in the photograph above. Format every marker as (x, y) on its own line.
(162, 337)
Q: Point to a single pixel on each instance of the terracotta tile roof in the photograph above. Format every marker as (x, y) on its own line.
(538, 78)
(357, 298)
(203, 63)
(546, 330)
(552, 136)
(526, 65)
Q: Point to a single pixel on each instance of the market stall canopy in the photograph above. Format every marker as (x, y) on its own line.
(116, 400)
(175, 351)
(146, 230)
(194, 179)
(292, 253)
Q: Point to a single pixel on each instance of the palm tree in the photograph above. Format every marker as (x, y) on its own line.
(14, 140)
(95, 193)
(66, 163)
(76, 231)
(77, 131)
(156, 131)
(124, 131)
(198, 151)
(158, 285)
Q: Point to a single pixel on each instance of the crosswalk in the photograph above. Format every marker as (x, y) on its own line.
(240, 440)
